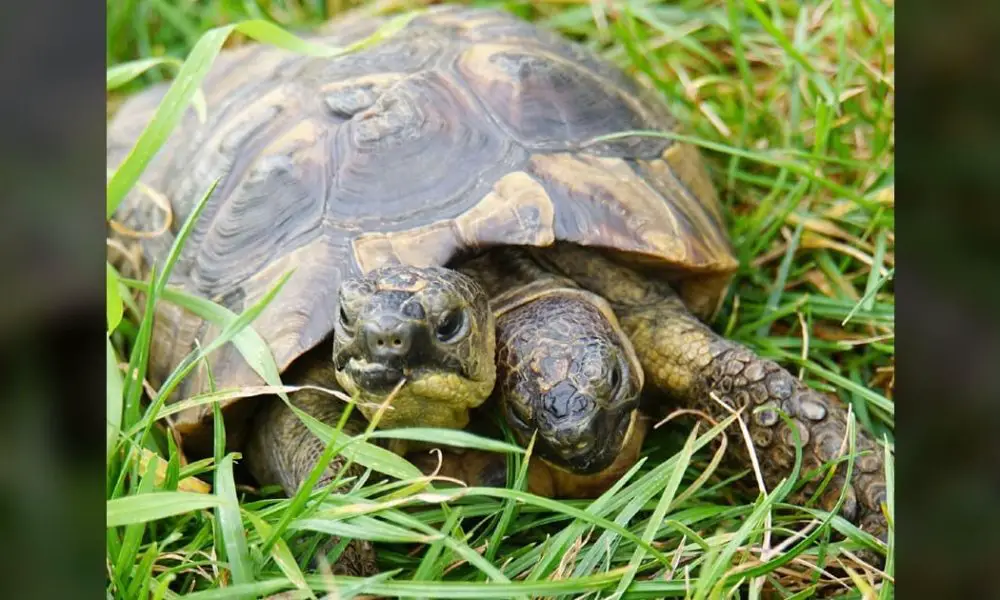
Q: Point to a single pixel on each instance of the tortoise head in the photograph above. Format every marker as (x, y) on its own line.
(428, 331)
(568, 372)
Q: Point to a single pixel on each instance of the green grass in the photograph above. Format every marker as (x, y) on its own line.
(792, 104)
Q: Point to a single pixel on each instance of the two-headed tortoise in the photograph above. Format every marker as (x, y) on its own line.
(450, 224)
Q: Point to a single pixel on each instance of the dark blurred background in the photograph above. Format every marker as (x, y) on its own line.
(51, 299)
(52, 110)
(948, 458)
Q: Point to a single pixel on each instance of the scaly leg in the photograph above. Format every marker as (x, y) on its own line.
(692, 364)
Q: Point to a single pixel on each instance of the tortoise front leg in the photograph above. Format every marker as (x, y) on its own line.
(692, 364)
(281, 450)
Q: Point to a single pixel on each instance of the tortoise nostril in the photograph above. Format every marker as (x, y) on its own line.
(389, 338)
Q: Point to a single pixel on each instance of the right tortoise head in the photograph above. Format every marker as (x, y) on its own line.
(568, 374)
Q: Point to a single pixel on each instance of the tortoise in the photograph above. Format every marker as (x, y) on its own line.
(454, 227)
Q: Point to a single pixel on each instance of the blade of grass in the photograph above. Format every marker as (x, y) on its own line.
(142, 574)
(231, 523)
(114, 300)
(122, 73)
(360, 451)
(219, 537)
(555, 506)
(459, 547)
(259, 589)
(134, 530)
(299, 499)
(224, 337)
(361, 586)
(632, 499)
(157, 282)
(173, 472)
(250, 344)
(603, 505)
(888, 588)
(479, 590)
(507, 516)
(114, 398)
(362, 528)
(166, 269)
(669, 491)
(138, 363)
(878, 400)
(712, 572)
(869, 295)
(151, 506)
(188, 364)
(717, 568)
(778, 288)
(221, 396)
(788, 555)
(429, 565)
(446, 437)
(779, 36)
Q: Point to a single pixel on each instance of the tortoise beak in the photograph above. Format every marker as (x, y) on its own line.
(373, 377)
(591, 445)
(387, 341)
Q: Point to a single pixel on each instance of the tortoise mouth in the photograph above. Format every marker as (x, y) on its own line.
(584, 448)
(584, 464)
(373, 377)
(602, 450)
(594, 455)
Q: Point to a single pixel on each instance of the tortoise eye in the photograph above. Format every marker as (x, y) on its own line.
(616, 378)
(345, 319)
(451, 326)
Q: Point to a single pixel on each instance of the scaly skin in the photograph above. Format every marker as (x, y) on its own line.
(690, 363)
(281, 450)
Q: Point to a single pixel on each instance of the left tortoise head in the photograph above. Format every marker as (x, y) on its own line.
(430, 328)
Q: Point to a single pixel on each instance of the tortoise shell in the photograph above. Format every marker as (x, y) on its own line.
(467, 129)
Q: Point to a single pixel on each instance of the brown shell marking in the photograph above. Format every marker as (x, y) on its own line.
(604, 202)
(681, 175)
(548, 103)
(516, 211)
(344, 99)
